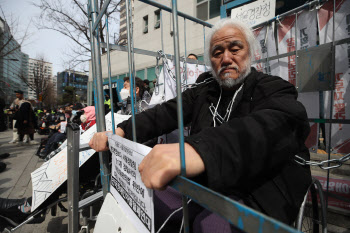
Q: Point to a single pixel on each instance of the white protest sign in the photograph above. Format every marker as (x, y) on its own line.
(255, 13)
(126, 185)
(63, 126)
(50, 175)
(193, 71)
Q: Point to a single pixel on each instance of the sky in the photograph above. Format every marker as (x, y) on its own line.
(49, 43)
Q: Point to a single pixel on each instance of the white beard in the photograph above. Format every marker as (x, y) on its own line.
(230, 82)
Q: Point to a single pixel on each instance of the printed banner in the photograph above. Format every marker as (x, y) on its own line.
(169, 88)
(307, 35)
(126, 185)
(340, 142)
(340, 187)
(51, 174)
(267, 48)
(193, 71)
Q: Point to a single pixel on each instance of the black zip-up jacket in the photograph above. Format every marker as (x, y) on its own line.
(250, 156)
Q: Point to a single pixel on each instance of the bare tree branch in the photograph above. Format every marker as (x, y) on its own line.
(38, 80)
(11, 36)
(71, 20)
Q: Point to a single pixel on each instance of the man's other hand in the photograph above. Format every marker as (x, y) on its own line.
(99, 141)
(162, 165)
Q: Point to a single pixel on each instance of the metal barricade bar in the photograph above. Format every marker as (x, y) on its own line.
(100, 116)
(242, 216)
(235, 213)
(179, 108)
(73, 138)
(168, 9)
(101, 13)
(147, 53)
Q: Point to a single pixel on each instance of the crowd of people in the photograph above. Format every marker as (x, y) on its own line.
(246, 128)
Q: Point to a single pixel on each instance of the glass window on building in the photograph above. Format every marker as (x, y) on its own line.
(145, 24)
(157, 19)
(208, 9)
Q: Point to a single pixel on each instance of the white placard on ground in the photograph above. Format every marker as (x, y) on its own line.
(134, 198)
(51, 174)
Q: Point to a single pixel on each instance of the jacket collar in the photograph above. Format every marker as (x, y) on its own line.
(249, 83)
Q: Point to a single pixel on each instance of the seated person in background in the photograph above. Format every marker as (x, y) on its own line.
(146, 94)
(60, 136)
(192, 56)
(88, 118)
(246, 128)
(60, 115)
(141, 104)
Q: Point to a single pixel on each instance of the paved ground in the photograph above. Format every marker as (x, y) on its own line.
(15, 181)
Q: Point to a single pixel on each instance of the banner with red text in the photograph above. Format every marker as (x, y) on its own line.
(193, 71)
(337, 187)
(340, 142)
(303, 26)
(267, 48)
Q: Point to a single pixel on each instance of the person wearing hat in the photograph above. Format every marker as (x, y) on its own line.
(16, 104)
(26, 123)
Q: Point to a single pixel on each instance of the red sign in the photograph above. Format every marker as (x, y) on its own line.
(340, 187)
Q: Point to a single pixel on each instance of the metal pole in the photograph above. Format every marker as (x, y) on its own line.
(109, 75)
(179, 107)
(267, 64)
(99, 17)
(100, 116)
(205, 67)
(332, 101)
(161, 30)
(186, 16)
(130, 70)
(133, 58)
(185, 60)
(296, 50)
(93, 83)
(73, 139)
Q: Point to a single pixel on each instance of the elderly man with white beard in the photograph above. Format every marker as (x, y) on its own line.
(246, 128)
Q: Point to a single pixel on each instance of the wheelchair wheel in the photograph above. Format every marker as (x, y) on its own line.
(311, 217)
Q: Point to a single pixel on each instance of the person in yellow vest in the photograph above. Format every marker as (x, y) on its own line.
(107, 101)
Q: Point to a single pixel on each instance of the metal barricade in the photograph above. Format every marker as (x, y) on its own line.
(237, 214)
(73, 138)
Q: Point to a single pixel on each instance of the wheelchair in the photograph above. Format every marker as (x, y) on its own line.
(312, 217)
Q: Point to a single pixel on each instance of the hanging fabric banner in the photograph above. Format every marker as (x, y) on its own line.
(193, 71)
(340, 142)
(267, 48)
(306, 37)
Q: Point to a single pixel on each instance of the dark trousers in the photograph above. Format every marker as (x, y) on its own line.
(55, 138)
(201, 220)
(21, 136)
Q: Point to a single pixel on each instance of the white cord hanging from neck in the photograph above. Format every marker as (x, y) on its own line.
(216, 109)
(216, 115)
